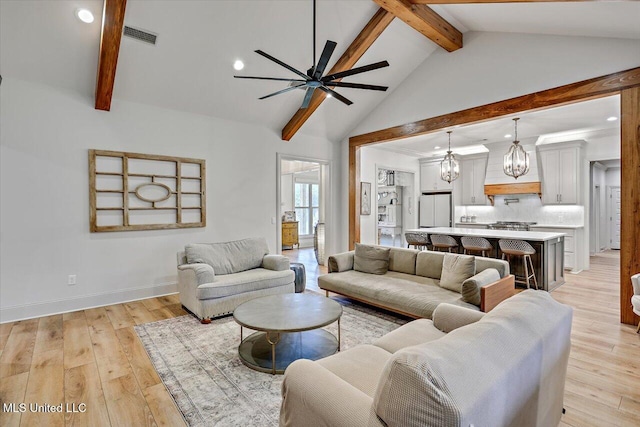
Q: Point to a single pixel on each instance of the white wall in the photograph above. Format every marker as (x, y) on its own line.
(45, 135)
(370, 159)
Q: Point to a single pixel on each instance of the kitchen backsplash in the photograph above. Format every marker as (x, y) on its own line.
(529, 208)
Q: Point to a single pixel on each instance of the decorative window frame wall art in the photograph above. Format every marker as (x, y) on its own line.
(365, 198)
(132, 191)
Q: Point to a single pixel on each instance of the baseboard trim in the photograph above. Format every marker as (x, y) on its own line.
(48, 308)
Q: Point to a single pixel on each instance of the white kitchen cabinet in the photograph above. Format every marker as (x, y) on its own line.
(560, 174)
(430, 178)
(472, 177)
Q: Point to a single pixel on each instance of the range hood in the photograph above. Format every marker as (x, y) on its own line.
(499, 184)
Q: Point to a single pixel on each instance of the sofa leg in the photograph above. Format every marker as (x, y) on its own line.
(205, 321)
(638, 328)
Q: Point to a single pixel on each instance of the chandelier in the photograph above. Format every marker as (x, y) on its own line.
(449, 166)
(516, 161)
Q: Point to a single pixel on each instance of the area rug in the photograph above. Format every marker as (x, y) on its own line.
(200, 368)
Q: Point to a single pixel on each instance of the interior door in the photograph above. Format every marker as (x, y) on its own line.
(614, 218)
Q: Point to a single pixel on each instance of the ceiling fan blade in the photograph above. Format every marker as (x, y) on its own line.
(307, 97)
(329, 47)
(282, 91)
(353, 71)
(335, 94)
(356, 86)
(270, 78)
(288, 67)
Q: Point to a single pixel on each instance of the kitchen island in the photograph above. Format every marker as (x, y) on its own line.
(548, 261)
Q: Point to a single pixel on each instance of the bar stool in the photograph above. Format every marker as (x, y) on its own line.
(417, 240)
(443, 241)
(521, 248)
(476, 244)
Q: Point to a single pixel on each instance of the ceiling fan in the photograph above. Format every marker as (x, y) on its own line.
(313, 79)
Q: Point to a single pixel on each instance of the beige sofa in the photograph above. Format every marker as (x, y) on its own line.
(215, 278)
(464, 368)
(411, 286)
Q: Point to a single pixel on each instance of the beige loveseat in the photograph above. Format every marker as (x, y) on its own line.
(215, 278)
(506, 368)
(412, 284)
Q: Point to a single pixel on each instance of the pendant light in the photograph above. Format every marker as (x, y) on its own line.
(516, 161)
(449, 166)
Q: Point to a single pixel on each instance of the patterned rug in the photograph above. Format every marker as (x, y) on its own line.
(200, 368)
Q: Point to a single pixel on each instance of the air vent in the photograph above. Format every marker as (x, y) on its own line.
(142, 35)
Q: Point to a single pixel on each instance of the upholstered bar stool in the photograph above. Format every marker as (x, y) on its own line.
(520, 248)
(476, 244)
(443, 242)
(417, 240)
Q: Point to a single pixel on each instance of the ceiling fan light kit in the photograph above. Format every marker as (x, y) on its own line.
(516, 161)
(313, 79)
(449, 166)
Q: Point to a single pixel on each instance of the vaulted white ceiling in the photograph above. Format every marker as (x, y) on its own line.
(190, 68)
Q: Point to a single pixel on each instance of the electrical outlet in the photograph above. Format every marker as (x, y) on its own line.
(71, 280)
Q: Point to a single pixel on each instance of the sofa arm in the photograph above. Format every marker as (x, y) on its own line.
(341, 262)
(494, 293)
(203, 272)
(313, 396)
(275, 262)
(447, 317)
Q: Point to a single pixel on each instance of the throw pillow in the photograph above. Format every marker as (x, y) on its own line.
(471, 286)
(455, 270)
(371, 259)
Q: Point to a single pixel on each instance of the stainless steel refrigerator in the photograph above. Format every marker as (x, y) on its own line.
(435, 210)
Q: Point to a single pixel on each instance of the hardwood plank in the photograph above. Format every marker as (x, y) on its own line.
(630, 199)
(574, 92)
(376, 25)
(12, 390)
(170, 299)
(630, 406)
(139, 312)
(82, 385)
(177, 310)
(49, 335)
(110, 357)
(162, 406)
(78, 349)
(126, 404)
(152, 303)
(119, 316)
(587, 412)
(17, 354)
(424, 20)
(112, 26)
(45, 386)
(138, 358)
(5, 328)
(74, 315)
(164, 313)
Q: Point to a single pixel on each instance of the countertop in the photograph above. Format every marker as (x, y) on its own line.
(556, 226)
(534, 236)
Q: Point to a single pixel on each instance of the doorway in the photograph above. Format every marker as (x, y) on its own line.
(303, 203)
(395, 205)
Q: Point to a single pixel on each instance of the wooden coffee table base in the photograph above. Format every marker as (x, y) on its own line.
(259, 349)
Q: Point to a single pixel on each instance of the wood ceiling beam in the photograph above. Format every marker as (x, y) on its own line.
(421, 18)
(354, 52)
(112, 24)
(574, 92)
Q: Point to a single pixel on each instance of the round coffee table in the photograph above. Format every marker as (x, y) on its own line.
(288, 329)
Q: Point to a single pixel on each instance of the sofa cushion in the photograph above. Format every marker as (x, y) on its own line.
(404, 293)
(229, 257)
(361, 366)
(471, 286)
(417, 332)
(371, 259)
(244, 281)
(512, 360)
(455, 270)
(403, 260)
(429, 264)
(501, 265)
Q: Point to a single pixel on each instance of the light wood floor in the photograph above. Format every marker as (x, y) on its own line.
(94, 357)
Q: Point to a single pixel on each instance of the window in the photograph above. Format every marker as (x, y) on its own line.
(307, 201)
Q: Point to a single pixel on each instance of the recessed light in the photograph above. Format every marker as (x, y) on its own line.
(84, 15)
(238, 65)
(437, 147)
(612, 119)
(329, 95)
(508, 135)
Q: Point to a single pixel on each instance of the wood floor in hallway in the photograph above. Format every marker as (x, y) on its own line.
(94, 356)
